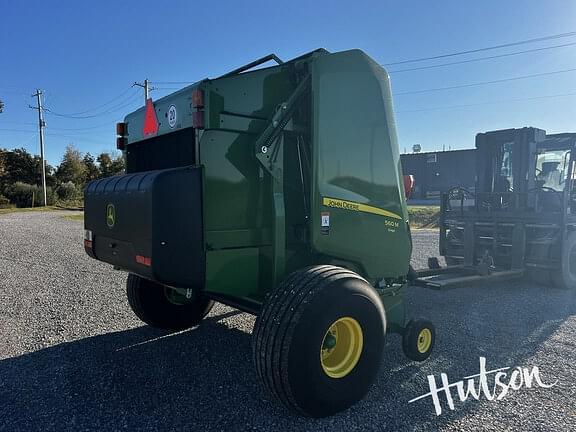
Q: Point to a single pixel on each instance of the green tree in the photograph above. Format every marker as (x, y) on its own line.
(104, 163)
(118, 165)
(72, 168)
(92, 171)
(18, 165)
(110, 165)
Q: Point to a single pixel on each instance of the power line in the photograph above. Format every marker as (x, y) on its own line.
(487, 103)
(76, 138)
(173, 82)
(101, 105)
(107, 124)
(522, 42)
(132, 98)
(18, 123)
(125, 102)
(17, 130)
(484, 82)
(481, 58)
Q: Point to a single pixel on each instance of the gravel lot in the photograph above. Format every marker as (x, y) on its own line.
(73, 356)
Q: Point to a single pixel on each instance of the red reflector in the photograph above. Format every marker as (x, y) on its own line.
(408, 185)
(198, 120)
(197, 98)
(150, 120)
(144, 260)
(87, 244)
(120, 143)
(121, 129)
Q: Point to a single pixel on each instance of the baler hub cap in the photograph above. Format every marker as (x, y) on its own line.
(424, 340)
(341, 347)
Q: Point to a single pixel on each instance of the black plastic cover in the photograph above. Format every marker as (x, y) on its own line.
(155, 215)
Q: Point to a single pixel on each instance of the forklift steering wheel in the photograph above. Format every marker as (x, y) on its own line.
(454, 193)
(557, 194)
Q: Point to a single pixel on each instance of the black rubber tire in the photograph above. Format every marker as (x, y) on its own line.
(566, 277)
(411, 336)
(149, 302)
(289, 333)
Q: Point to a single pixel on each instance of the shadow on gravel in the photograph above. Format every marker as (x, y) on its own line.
(203, 379)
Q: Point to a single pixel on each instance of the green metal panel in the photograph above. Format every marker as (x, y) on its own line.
(232, 271)
(238, 206)
(236, 193)
(357, 165)
(395, 310)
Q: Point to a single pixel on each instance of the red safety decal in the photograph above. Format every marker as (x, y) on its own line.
(150, 120)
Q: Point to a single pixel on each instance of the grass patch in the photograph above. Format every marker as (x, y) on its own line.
(30, 209)
(77, 217)
(424, 216)
(34, 209)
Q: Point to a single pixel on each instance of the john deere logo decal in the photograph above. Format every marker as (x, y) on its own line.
(110, 215)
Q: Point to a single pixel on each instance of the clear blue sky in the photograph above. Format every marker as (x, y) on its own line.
(82, 54)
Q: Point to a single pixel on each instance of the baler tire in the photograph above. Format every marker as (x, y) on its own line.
(149, 302)
(418, 339)
(291, 354)
(566, 277)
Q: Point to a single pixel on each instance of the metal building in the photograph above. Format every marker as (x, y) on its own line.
(436, 172)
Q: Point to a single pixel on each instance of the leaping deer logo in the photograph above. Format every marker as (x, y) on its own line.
(110, 215)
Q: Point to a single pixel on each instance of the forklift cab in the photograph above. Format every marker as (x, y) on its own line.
(554, 174)
(524, 170)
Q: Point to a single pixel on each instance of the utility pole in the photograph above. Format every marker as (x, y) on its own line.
(41, 126)
(146, 88)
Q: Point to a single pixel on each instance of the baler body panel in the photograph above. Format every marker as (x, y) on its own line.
(237, 200)
(357, 174)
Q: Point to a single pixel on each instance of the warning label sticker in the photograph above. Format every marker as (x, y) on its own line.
(325, 223)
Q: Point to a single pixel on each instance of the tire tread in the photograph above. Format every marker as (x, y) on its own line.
(274, 327)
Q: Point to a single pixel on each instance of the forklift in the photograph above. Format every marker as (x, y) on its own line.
(520, 221)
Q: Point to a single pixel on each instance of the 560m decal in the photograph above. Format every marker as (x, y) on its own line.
(354, 206)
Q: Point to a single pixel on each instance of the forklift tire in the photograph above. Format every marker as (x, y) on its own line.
(418, 340)
(566, 277)
(318, 341)
(151, 304)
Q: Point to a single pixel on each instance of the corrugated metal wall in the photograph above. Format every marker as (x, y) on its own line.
(437, 172)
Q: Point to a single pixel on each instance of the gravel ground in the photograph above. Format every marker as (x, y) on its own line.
(73, 356)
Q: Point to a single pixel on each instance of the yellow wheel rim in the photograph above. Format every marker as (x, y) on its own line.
(424, 340)
(341, 347)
